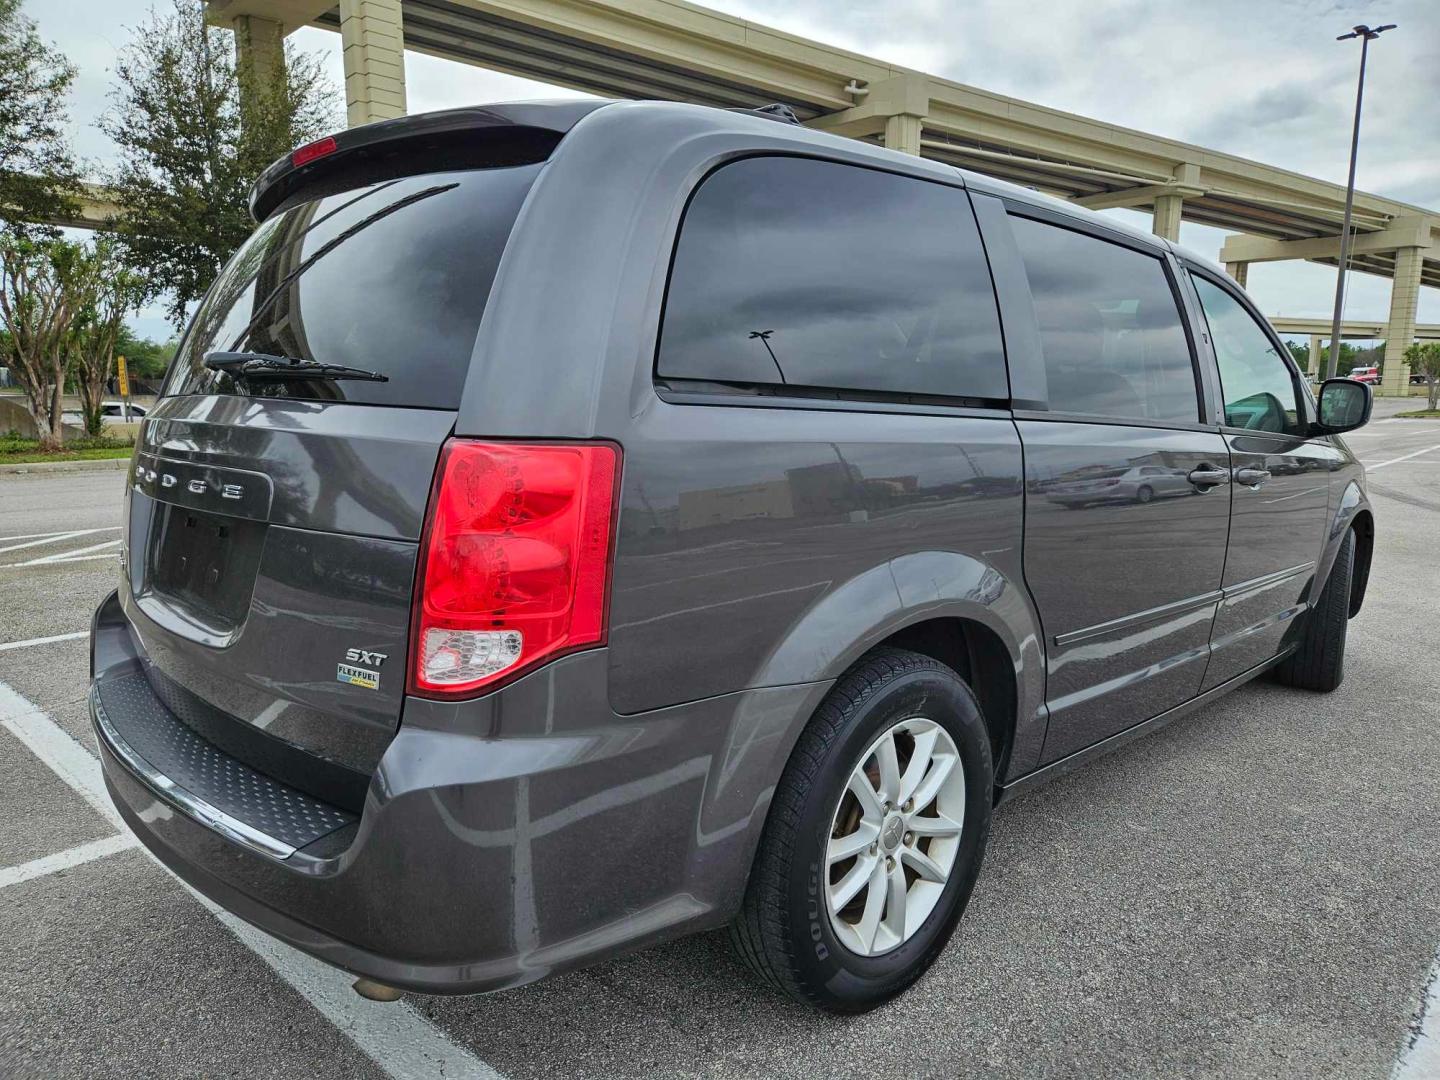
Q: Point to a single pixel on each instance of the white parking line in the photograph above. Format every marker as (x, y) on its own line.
(64, 860)
(1395, 461)
(395, 1036)
(1420, 1059)
(64, 532)
(68, 556)
(49, 742)
(6, 646)
(59, 559)
(52, 538)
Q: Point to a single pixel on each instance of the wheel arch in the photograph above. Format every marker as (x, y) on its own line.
(948, 605)
(979, 656)
(1352, 512)
(1364, 526)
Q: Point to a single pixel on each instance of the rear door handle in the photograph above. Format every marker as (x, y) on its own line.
(1252, 477)
(1208, 476)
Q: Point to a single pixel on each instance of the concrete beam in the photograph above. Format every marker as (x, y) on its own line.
(1167, 200)
(1350, 328)
(1400, 233)
(1142, 195)
(1238, 271)
(905, 95)
(290, 14)
(372, 33)
(95, 208)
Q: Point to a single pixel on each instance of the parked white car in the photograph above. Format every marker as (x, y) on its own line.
(109, 410)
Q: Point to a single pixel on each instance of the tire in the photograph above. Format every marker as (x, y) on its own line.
(1145, 493)
(785, 931)
(1319, 661)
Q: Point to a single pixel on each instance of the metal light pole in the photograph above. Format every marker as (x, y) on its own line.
(1366, 35)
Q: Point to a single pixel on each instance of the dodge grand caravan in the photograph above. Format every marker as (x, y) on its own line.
(569, 526)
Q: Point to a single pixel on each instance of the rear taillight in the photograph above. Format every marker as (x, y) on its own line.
(515, 562)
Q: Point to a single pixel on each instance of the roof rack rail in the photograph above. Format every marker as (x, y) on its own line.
(778, 112)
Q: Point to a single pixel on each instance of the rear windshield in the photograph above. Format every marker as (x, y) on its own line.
(390, 278)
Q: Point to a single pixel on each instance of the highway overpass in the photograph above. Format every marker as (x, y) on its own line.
(680, 51)
(1318, 331)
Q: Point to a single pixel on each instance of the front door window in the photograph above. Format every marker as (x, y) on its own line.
(1258, 385)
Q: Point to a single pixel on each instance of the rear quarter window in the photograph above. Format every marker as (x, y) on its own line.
(390, 277)
(810, 274)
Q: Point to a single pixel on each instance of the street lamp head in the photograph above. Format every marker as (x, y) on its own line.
(1366, 32)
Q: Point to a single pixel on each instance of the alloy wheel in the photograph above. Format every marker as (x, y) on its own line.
(894, 836)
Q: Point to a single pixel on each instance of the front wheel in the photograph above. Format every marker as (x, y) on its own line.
(874, 839)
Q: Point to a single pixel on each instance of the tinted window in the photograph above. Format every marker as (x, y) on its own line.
(392, 278)
(815, 274)
(1111, 334)
(1257, 384)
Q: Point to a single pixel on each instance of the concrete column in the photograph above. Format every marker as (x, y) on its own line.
(1167, 217)
(1239, 271)
(370, 31)
(902, 132)
(1400, 331)
(259, 53)
(1314, 363)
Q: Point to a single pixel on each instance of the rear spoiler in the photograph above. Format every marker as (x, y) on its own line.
(517, 133)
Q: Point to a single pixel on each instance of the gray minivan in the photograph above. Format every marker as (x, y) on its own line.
(569, 526)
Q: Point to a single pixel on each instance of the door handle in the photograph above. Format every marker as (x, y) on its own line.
(1251, 477)
(1208, 476)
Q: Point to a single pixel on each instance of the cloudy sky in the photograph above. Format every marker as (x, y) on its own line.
(1265, 79)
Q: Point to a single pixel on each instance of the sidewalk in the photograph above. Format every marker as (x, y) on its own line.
(98, 465)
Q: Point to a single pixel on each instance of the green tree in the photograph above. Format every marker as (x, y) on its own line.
(147, 359)
(1425, 360)
(39, 303)
(106, 293)
(1301, 354)
(192, 141)
(37, 170)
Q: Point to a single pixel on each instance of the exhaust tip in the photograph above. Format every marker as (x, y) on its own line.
(375, 991)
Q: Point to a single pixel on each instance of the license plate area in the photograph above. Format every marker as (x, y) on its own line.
(203, 565)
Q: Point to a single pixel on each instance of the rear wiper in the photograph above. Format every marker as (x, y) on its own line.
(284, 367)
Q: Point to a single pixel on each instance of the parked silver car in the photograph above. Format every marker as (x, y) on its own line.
(1138, 484)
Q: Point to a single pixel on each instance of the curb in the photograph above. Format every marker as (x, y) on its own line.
(98, 465)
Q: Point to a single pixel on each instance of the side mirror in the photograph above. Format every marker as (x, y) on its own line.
(1344, 406)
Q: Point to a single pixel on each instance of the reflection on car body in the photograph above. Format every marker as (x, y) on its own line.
(1138, 484)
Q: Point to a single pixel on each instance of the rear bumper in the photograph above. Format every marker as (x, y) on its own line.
(483, 861)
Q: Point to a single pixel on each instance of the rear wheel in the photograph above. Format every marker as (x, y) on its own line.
(1319, 661)
(1145, 494)
(874, 839)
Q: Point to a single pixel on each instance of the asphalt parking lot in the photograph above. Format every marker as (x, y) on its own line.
(1252, 892)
